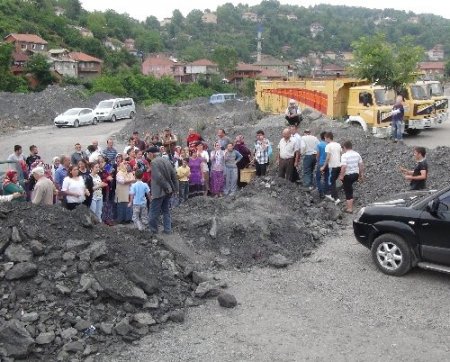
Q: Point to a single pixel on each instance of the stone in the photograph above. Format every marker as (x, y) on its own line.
(15, 235)
(15, 339)
(69, 256)
(45, 338)
(209, 288)
(279, 261)
(82, 325)
(128, 307)
(213, 230)
(224, 251)
(62, 289)
(123, 327)
(17, 253)
(227, 300)
(37, 248)
(114, 283)
(7, 266)
(5, 239)
(177, 316)
(29, 317)
(95, 251)
(106, 328)
(145, 280)
(144, 319)
(69, 333)
(153, 303)
(76, 245)
(199, 278)
(83, 267)
(21, 271)
(74, 347)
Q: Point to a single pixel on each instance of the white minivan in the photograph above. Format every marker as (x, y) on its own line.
(114, 109)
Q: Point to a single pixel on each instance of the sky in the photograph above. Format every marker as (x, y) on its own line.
(140, 9)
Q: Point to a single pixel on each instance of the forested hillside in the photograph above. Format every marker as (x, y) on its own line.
(189, 38)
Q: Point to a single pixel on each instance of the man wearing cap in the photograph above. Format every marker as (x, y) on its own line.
(163, 185)
(44, 188)
(293, 113)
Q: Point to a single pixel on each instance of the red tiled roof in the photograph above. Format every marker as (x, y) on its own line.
(204, 62)
(28, 38)
(82, 57)
(158, 61)
(432, 65)
(243, 67)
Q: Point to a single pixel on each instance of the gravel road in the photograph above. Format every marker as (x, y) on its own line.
(52, 141)
(332, 306)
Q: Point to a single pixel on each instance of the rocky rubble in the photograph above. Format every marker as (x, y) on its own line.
(19, 110)
(70, 288)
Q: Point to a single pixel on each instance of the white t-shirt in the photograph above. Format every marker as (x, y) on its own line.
(334, 149)
(94, 156)
(76, 186)
(309, 145)
(298, 141)
(351, 159)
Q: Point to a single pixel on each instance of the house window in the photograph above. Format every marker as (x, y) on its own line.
(24, 46)
(42, 47)
(33, 46)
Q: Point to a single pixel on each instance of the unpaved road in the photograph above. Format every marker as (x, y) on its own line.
(52, 141)
(333, 306)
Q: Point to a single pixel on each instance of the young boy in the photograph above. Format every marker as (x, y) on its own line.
(183, 173)
(138, 191)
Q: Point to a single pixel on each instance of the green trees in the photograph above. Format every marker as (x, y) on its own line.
(39, 66)
(379, 61)
(9, 82)
(226, 59)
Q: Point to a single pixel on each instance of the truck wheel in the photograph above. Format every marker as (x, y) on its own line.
(391, 254)
(413, 131)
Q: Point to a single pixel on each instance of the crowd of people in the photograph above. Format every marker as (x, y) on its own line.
(154, 174)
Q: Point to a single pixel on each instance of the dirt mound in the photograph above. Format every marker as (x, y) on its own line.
(270, 216)
(70, 287)
(35, 109)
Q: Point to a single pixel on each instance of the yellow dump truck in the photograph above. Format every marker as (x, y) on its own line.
(351, 99)
(435, 90)
(419, 109)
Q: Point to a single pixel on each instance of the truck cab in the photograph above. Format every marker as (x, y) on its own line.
(435, 90)
(419, 109)
(370, 106)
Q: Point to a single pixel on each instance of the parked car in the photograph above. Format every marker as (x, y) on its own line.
(76, 117)
(114, 109)
(411, 230)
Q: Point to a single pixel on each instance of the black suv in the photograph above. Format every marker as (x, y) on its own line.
(412, 230)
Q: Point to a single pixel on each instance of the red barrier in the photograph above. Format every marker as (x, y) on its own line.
(312, 98)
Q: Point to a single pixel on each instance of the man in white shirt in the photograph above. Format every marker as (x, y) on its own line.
(288, 156)
(352, 170)
(297, 139)
(333, 161)
(309, 152)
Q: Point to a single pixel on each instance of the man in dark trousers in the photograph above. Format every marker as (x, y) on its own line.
(419, 175)
(164, 184)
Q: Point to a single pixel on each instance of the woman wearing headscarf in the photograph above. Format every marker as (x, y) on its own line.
(107, 176)
(85, 173)
(11, 186)
(245, 160)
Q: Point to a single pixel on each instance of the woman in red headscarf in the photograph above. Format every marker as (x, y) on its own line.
(11, 185)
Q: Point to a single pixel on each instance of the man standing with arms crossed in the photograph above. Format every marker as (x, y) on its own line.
(288, 156)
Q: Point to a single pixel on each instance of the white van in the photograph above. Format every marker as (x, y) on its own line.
(222, 98)
(114, 109)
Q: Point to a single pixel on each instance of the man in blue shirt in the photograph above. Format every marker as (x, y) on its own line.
(138, 191)
(397, 119)
(321, 156)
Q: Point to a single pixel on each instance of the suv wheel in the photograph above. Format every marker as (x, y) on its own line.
(391, 254)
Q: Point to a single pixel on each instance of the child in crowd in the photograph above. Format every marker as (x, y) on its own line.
(138, 191)
(183, 173)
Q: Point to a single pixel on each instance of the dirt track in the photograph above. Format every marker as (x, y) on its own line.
(332, 306)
